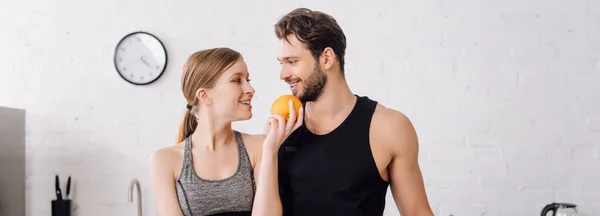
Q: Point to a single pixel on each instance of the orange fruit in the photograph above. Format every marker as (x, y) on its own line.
(281, 105)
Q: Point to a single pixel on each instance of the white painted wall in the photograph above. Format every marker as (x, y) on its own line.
(504, 94)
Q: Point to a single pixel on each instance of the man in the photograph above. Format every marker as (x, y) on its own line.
(349, 148)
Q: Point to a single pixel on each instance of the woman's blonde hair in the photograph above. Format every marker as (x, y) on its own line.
(201, 70)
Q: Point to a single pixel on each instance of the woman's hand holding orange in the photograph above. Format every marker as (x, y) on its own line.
(279, 126)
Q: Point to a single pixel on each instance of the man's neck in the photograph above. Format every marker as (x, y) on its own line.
(336, 99)
(210, 135)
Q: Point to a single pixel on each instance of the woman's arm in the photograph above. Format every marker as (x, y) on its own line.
(267, 201)
(163, 182)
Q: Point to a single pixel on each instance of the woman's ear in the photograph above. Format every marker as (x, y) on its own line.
(203, 96)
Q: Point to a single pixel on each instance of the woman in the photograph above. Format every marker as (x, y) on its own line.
(212, 170)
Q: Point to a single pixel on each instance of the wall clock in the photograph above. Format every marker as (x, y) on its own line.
(140, 58)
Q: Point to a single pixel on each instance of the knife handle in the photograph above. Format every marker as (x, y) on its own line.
(68, 186)
(57, 188)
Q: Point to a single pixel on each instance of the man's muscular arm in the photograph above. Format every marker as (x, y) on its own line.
(399, 136)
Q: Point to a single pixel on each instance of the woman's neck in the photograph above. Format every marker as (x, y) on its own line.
(211, 135)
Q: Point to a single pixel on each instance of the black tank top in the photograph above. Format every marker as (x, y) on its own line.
(332, 174)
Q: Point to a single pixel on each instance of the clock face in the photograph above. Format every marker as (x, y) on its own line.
(140, 58)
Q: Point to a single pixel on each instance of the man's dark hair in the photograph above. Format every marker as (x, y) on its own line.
(316, 30)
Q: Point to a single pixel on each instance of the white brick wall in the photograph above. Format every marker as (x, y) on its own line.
(504, 94)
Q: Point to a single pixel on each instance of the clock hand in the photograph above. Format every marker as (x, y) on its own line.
(143, 60)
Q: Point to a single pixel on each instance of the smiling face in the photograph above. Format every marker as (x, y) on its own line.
(300, 70)
(232, 94)
(311, 50)
(215, 85)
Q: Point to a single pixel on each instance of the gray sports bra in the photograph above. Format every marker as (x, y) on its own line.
(233, 195)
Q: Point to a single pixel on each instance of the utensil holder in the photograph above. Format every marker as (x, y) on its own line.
(61, 207)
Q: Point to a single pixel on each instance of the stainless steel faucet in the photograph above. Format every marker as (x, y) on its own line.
(136, 183)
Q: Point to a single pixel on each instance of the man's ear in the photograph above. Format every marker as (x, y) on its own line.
(203, 96)
(327, 58)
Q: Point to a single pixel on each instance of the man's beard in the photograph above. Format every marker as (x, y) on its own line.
(313, 87)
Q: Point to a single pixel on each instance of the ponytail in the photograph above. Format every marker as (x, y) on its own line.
(186, 126)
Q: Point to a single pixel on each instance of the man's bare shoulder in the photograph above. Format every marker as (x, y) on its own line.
(390, 120)
(393, 129)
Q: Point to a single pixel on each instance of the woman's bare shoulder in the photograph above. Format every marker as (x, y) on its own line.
(253, 139)
(253, 143)
(167, 156)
